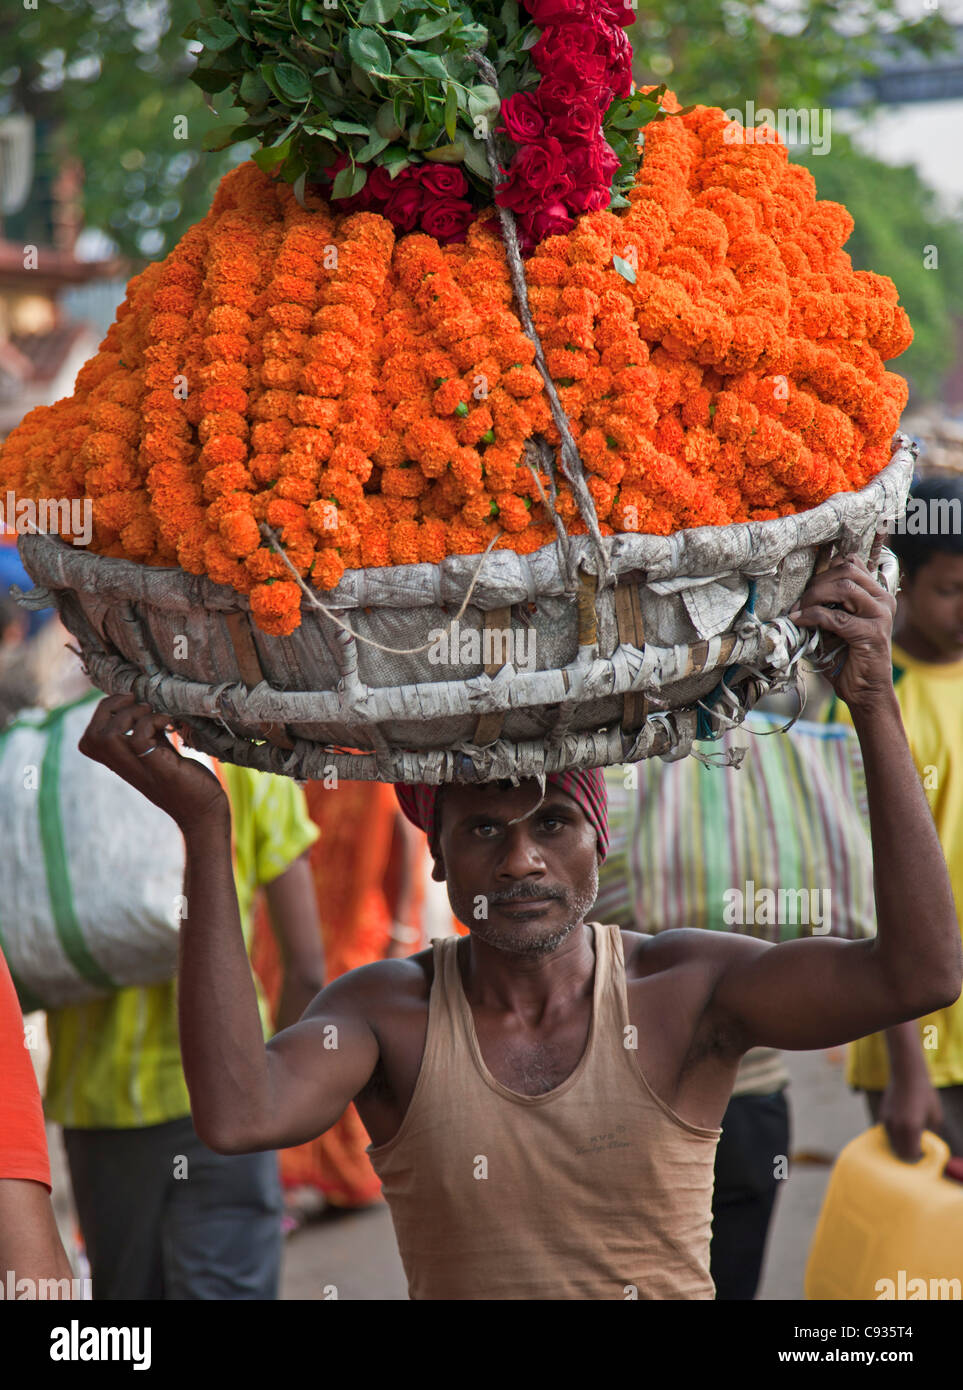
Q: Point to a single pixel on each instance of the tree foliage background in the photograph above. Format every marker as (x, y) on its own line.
(107, 81)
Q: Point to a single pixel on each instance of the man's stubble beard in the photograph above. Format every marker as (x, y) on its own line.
(519, 943)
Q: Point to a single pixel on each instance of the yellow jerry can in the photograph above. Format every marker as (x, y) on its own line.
(888, 1229)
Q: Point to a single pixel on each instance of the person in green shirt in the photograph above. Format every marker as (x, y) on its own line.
(912, 1075)
(162, 1216)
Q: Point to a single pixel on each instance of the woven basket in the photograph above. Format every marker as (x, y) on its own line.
(544, 670)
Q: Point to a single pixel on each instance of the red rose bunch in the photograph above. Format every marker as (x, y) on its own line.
(564, 166)
(424, 197)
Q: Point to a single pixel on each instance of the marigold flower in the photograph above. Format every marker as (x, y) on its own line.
(377, 412)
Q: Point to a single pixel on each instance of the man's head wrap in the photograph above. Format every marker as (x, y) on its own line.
(587, 788)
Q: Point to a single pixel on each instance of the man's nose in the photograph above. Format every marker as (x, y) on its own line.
(521, 856)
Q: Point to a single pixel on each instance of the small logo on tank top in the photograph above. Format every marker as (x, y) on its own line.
(598, 1143)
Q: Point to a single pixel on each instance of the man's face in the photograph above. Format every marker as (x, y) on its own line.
(932, 602)
(521, 888)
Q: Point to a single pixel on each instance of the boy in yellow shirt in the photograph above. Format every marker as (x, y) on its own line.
(913, 1074)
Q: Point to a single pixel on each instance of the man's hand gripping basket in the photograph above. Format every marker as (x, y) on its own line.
(588, 652)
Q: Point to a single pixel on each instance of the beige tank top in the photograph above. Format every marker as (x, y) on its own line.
(593, 1190)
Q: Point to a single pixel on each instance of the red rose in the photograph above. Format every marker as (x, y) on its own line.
(558, 96)
(358, 202)
(545, 12)
(573, 53)
(589, 198)
(586, 70)
(442, 181)
(620, 62)
(448, 219)
(405, 201)
(591, 167)
(619, 14)
(572, 37)
(581, 123)
(553, 220)
(380, 182)
(538, 176)
(522, 118)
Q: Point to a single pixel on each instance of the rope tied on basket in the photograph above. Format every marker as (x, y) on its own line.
(785, 659)
(329, 613)
(569, 458)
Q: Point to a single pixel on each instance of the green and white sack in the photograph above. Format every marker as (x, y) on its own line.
(93, 872)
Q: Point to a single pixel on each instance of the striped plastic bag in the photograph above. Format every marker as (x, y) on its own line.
(92, 871)
(778, 848)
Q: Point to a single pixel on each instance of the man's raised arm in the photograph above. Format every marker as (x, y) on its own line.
(822, 992)
(244, 1096)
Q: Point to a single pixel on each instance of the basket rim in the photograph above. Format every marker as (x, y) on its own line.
(752, 547)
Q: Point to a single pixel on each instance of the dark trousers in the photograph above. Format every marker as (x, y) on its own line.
(165, 1218)
(755, 1134)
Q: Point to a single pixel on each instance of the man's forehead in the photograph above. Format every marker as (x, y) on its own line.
(496, 798)
(460, 802)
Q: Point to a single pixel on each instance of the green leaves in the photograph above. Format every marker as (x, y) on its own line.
(216, 34)
(483, 101)
(372, 148)
(428, 63)
(369, 50)
(349, 181)
(384, 82)
(378, 11)
(451, 110)
(624, 269)
(269, 159)
(292, 82)
(476, 159)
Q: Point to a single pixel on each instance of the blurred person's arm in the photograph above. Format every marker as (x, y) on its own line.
(910, 1102)
(406, 938)
(293, 909)
(30, 1244)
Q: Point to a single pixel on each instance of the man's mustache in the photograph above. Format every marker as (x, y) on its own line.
(525, 893)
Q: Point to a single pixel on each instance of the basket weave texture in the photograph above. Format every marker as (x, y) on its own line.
(684, 634)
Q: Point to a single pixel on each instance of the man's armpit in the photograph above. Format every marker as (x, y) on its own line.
(376, 1088)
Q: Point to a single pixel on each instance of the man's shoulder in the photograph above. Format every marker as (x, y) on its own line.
(680, 946)
(383, 983)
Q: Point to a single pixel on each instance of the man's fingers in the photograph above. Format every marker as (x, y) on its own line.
(841, 594)
(106, 708)
(833, 619)
(148, 732)
(854, 589)
(108, 738)
(853, 568)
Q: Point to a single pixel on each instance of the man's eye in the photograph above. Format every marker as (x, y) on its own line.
(553, 822)
(484, 828)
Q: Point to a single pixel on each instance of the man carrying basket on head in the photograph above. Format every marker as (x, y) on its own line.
(544, 1096)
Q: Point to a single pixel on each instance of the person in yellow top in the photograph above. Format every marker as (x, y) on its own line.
(912, 1074)
(162, 1216)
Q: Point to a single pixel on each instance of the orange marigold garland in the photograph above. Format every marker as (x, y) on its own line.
(370, 398)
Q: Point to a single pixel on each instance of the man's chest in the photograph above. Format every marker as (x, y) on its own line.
(661, 1032)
